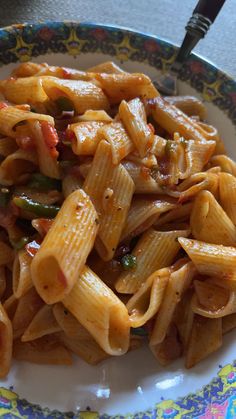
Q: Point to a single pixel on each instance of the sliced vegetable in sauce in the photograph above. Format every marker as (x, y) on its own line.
(43, 183)
(128, 262)
(42, 210)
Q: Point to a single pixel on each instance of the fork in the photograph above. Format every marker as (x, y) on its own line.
(203, 16)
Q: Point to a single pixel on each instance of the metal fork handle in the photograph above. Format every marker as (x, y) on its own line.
(198, 25)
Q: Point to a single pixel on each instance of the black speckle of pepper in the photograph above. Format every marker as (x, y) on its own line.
(119, 209)
(113, 249)
(96, 221)
(65, 312)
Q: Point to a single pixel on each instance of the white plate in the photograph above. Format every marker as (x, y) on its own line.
(134, 382)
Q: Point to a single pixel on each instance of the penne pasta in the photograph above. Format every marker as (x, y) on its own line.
(23, 90)
(142, 215)
(10, 116)
(45, 350)
(85, 138)
(145, 303)
(134, 119)
(154, 250)
(111, 190)
(121, 144)
(15, 165)
(126, 86)
(76, 338)
(100, 311)
(70, 184)
(227, 192)
(47, 160)
(190, 105)
(6, 342)
(7, 146)
(69, 241)
(174, 120)
(21, 275)
(179, 281)
(102, 181)
(205, 338)
(28, 305)
(42, 324)
(210, 223)
(143, 181)
(83, 94)
(6, 254)
(228, 323)
(213, 301)
(169, 349)
(210, 259)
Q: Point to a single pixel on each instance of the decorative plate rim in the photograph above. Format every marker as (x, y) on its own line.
(117, 27)
(226, 380)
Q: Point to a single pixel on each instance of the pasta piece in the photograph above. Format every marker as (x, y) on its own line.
(43, 323)
(154, 250)
(108, 67)
(23, 90)
(45, 350)
(158, 146)
(77, 338)
(28, 305)
(228, 323)
(142, 214)
(121, 144)
(134, 119)
(47, 160)
(198, 153)
(194, 184)
(174, 120)
(205, 338)
(2, 281)
(149, 160)
(71, 183)
(83, 94)
(126, 86)
(68, 323)
(10, 306)
(88, 349)
(179, 213)
(212, 301)
(169, 349)
(143, 181)
(65, 248)
(16, 164)
(6, 254)
(179, 281)
(210, 223)
(227, 191)
(190, 105)
(111, 189)
(6, 343)
(210, 259)
(183, 317)
(85, 137)
(27, 69)
(226, 164)
(21, 275)
(30, 69)
(7, 146)
(100, 311)
(10, 116)
(145, 303)
(97, 116)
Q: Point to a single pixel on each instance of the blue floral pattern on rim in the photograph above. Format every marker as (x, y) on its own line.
(23, 42)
